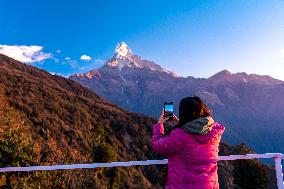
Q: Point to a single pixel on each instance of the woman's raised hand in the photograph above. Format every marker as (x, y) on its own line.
(162, 120)
(176, 120)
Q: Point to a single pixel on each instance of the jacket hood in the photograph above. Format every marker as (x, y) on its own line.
(202, 125)
(203, 129)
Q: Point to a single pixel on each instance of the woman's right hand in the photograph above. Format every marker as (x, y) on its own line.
(162, 120)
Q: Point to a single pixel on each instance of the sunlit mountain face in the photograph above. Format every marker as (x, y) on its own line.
(250, 105)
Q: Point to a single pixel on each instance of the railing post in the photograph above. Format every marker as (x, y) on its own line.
(279, 174)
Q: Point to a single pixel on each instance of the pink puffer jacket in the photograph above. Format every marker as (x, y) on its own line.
(192, 158)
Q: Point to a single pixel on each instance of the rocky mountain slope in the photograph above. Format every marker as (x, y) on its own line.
(251, 106)
(70, 124)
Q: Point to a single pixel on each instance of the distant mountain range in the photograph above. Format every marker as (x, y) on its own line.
(47, 119)
(250, 106)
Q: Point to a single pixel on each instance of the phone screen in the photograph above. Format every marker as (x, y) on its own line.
(169, 109)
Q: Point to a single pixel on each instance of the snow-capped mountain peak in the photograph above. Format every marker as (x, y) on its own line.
(124, 58)
(122, 50)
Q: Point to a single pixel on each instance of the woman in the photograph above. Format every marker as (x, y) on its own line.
(192, 146)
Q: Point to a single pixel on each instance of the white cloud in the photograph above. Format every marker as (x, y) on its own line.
(56, 60)
(71, 62)
(58, 51)
(26, 54)
(85, 57)
(281, 53)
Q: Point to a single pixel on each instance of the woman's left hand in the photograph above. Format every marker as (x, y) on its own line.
(176, 120)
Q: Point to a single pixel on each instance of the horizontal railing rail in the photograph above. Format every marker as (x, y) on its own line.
(277, 159)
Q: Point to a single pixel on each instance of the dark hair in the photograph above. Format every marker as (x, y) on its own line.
(191, 108)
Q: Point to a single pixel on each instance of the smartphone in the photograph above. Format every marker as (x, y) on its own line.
(169, 110)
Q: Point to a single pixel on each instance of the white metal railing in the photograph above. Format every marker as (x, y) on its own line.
(277, 159)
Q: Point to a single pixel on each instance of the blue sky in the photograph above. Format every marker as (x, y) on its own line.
(191, 37)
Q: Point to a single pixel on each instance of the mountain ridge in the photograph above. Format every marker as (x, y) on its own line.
(247, 103)
(123, 57)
